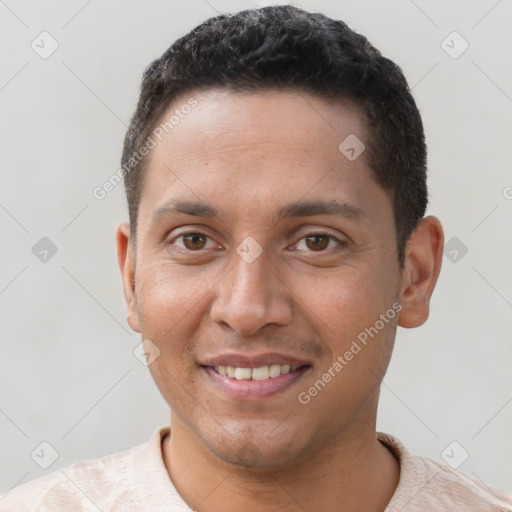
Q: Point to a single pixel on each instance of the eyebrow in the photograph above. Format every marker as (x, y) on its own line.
(291, 210)
(311, 208)
(194, 208)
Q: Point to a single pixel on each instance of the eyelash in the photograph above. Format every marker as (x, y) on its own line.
(339, 243)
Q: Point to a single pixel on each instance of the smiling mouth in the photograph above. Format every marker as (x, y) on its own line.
(260, 373)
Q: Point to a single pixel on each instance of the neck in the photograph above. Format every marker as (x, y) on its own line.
(352, 472)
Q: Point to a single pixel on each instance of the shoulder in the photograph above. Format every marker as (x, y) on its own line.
(429, 485)
(104, 483)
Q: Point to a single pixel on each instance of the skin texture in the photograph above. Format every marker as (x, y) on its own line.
(249, 155)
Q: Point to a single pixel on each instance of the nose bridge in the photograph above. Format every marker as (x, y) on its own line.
(249, 297)
(249, 287)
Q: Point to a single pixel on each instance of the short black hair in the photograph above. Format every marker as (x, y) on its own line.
(287, 48)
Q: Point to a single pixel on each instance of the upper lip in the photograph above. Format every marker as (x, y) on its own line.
(239, 360)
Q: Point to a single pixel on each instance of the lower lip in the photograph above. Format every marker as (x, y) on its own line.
(253, 389)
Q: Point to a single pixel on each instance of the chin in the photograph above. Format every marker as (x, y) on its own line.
(255, 456)
(256, 448)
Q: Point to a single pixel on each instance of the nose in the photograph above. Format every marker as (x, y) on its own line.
(251, 296)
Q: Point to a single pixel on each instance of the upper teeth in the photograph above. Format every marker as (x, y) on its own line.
(261, 373)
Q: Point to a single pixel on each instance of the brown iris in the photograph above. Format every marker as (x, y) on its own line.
(317, 242)
(194, 241)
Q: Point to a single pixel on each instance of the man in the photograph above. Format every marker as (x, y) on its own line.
(275, 171)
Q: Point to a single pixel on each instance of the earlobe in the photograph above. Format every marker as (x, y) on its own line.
(423, 258)
(126, 261)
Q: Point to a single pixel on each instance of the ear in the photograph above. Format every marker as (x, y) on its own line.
(126, 261)
(423, 257)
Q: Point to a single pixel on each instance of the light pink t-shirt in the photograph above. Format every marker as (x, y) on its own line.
(137, 480)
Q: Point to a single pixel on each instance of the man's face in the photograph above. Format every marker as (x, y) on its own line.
(261, 245)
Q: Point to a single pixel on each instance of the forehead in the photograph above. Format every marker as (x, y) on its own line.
(257, 150)
(302, 125)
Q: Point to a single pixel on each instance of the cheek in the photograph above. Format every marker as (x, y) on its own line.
(345, 309)
(170, 307)
(344, 302)
(168, 296)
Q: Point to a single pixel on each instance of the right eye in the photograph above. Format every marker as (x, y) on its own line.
(193, 241)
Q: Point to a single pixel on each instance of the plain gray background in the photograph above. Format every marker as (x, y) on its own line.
(68, 373)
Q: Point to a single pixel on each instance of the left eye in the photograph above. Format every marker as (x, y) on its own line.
(317, 242)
